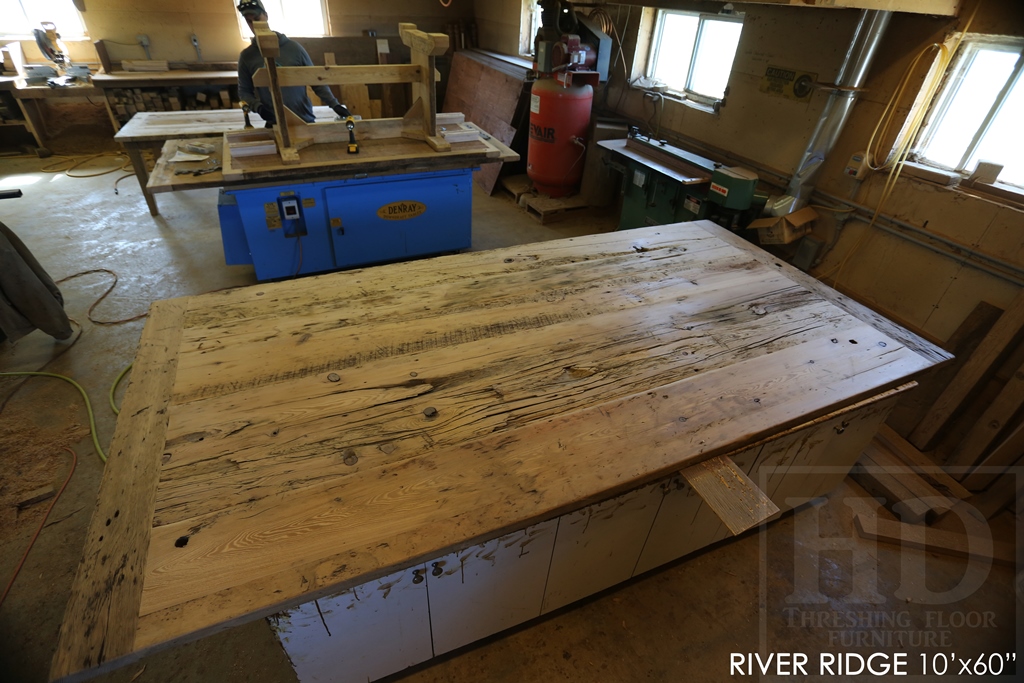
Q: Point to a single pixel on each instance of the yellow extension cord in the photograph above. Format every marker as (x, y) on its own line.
(88, 403)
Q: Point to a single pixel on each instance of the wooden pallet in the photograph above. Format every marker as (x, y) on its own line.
(517, 186)
(547, 209)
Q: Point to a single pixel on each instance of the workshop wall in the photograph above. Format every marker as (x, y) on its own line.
(928, 290)
(925, 289)
(498, 23)
(171, 23)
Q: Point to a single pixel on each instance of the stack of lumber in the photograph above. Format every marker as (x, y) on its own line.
(126, 102)
(492, 91)
(921, 494)
(913, 487)
(965, 430)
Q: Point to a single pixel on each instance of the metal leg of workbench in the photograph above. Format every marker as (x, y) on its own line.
(142, 173)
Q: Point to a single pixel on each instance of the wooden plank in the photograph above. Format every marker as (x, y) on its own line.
(1006, 490)
(104, 56)
(948, 8)
(992, 423)
(933, 540)
(357, 99)
(728, 490)
(920, 463)
(103, 611)
(885, 460)
(444, 402)
(964, 340)
(346, 74)
(37, 496)
(161, 126)
(391, 97)
(1004, 455)
(882, 480)
(981, 364)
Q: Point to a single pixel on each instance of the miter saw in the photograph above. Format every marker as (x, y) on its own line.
(53, 48)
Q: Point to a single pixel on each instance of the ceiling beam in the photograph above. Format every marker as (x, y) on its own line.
(946, 8)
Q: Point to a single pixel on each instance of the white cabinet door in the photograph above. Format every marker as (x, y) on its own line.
(598, 546)
(365, 633)
(802, 465)
(685, 523)
(489, 587)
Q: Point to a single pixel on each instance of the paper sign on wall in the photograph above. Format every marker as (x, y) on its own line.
(788, 83)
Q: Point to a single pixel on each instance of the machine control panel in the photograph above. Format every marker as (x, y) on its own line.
(290, 215)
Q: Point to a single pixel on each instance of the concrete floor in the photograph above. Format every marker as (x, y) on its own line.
(680, 622)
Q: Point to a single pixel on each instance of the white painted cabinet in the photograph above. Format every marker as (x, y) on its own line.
(598, 546)
(489, 587)
(396, 622)
(364, 634)
(812, 461)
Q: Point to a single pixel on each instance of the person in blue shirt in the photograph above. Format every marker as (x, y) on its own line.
(292, 54)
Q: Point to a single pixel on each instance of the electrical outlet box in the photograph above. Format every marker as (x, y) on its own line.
(857, 166)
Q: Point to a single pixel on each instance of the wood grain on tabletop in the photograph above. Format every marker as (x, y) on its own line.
(329, 430)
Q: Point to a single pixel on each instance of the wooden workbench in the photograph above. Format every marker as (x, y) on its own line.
(30, 97)
(150, 130)
(376, 157)
(284, 442)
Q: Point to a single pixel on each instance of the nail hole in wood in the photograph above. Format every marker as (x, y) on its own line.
(181, 542)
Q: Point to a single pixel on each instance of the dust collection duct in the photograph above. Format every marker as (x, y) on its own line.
(852, 74)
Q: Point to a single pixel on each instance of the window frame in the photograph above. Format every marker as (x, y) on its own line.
(529, 22)
(243, 28)
(658, 34)
(968, 50)
(64, 35)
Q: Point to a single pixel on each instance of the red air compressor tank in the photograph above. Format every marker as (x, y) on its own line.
(559, 118)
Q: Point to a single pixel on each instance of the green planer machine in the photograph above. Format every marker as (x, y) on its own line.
(663, 184)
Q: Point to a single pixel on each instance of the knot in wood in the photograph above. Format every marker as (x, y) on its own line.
(349, 457)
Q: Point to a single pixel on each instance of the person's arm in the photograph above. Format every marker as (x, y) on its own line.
(247, 91)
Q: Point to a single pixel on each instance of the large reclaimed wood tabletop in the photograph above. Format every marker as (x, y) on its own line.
(283, 442)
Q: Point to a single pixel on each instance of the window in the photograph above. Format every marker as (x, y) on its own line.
(529, 24)
(19, 17)
(692, 53)
(978, 113)
(303, 18)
